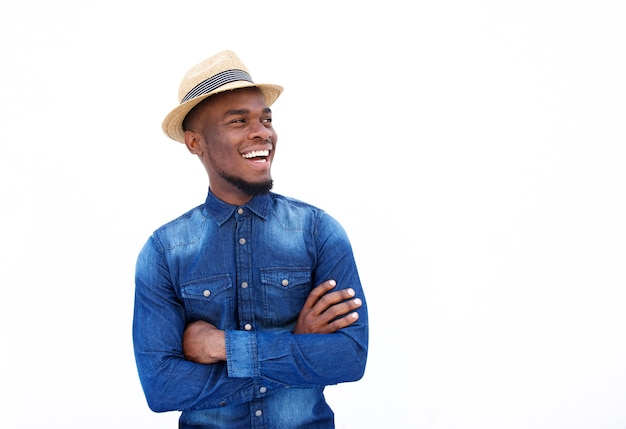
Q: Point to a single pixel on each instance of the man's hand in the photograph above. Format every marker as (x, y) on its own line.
(325, 312)
(203, 343)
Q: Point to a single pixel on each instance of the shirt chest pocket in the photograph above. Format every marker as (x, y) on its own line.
(284, 292)
(209, 299)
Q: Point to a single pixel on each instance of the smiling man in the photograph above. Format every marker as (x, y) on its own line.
(239, 126)
(248, 305)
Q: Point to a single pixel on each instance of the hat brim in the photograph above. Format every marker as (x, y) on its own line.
(173, 122)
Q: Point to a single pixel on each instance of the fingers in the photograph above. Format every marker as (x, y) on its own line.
(342, 322)
(326, 312)
(318, 292)
(342, 308)
(334, 298)
(340, 315)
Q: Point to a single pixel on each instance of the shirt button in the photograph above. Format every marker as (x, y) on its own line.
(247, 327)
(263, 389)
(258, 413)
(244, 285)
(240, 211)
(206, 293)
(242, 241)
(285, 282)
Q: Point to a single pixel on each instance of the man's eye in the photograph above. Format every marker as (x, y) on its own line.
(267, 120)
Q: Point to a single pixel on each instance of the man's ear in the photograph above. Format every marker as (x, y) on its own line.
(192, 141)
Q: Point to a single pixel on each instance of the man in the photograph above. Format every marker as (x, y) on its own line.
(249, 304)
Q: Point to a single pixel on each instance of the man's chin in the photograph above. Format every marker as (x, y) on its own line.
(249, 188)
(253, 189)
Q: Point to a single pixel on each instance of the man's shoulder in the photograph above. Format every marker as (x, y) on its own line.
(196, 214)
(285, 201)
(184, 228)
(300, 214)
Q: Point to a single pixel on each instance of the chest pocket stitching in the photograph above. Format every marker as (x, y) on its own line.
(197, 289)
(294, 276)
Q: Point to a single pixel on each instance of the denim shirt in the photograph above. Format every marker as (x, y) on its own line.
(247, 270)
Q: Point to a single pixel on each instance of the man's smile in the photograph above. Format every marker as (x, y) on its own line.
(257, 155)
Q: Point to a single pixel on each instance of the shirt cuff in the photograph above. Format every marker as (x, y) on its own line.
(241, 353)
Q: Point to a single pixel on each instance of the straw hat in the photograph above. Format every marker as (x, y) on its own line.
(222, 72)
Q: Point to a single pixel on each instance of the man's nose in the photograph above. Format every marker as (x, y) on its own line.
(260, 131)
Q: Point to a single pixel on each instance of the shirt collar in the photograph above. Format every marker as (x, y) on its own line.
(220, 211)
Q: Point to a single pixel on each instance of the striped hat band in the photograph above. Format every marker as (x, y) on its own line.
(214, 82)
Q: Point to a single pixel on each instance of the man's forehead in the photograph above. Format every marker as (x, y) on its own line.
(239, 93)
(240, 100)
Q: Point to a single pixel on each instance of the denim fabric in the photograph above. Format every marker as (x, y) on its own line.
(248, 271)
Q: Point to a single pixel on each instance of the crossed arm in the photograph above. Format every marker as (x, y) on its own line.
(324, 312)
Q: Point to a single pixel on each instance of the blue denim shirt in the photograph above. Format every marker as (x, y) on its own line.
(247, 270)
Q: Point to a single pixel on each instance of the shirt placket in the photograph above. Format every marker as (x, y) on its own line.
(245, 307)
(245, 312)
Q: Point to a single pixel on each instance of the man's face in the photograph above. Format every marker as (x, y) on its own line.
(235, 141)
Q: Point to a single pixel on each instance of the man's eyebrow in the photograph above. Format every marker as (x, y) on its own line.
(237, 112)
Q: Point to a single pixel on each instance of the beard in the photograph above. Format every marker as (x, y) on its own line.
(248, 188)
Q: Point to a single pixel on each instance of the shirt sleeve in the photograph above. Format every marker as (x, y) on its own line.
(169, 381)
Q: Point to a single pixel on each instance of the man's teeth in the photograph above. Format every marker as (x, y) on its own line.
(256, 153)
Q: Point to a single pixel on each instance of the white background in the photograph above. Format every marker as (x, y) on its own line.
(473, 150)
